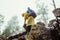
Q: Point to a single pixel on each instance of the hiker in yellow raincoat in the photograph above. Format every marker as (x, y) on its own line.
(28, 21)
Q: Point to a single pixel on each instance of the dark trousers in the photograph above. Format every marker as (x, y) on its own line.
(27, 28)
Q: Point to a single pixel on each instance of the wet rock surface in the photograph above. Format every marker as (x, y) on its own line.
(38, 32)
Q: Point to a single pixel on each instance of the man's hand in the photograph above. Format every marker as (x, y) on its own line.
(24, 25)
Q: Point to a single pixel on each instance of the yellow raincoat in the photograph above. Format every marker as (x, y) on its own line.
(29, 20)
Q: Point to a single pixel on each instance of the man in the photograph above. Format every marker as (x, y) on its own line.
(55, 23)
(28, 22)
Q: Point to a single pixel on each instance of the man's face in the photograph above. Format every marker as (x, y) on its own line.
(58, 19)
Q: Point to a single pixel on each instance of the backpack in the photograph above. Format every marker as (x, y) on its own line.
(31, 13)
